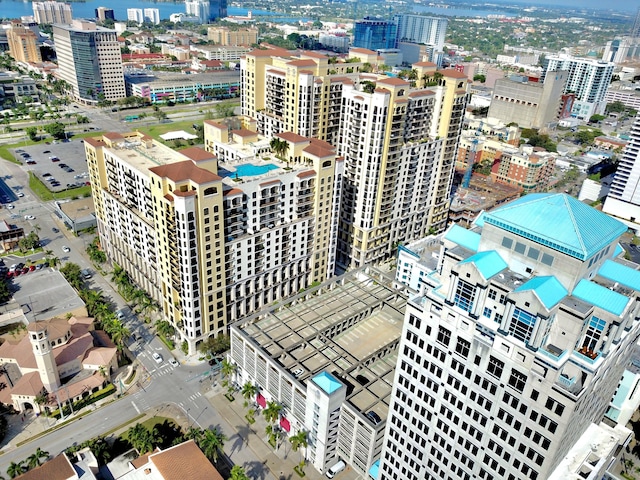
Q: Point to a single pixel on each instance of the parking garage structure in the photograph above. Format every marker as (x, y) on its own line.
(327, 356)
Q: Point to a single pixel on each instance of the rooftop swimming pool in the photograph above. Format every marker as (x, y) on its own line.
(249, 170)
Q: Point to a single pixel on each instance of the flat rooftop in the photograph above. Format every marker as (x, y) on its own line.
(143, 158)
(350, 327)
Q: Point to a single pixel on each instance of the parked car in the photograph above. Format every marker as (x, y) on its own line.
(20, 194)
(55, 230)
(66, 249)
(31, 162)
(47, 151)
(54, 159)
(29, 217)
(45, 175)
(10, 207)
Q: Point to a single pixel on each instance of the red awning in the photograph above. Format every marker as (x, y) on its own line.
(284, 423)
(261, 400)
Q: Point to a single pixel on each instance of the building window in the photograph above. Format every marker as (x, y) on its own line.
(522, 324)
(444, 336)
(517, 380)
(462, 347)
(593, 334)
(495, 367)
(464, 295)
(486, 312)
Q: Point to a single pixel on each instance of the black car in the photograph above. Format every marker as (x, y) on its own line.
(55, 230)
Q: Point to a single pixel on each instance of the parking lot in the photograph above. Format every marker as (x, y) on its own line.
(44, 294)
(59, 166)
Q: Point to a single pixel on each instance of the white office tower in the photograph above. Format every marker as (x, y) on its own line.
(135, 15)
(587, 78)
(151, 15)
(52, 12)
(514, 345)
(198, 8)
(421, 29)
(624, 198)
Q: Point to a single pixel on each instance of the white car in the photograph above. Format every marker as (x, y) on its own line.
(174, 362)
(10, 207)
(29, 217)
(157, 357)
(21, 194)
(66, 249)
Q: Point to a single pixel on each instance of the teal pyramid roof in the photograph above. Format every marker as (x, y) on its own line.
(558, 221)
(488, 263)
(327, 382)
(466, 238)
(548, 289)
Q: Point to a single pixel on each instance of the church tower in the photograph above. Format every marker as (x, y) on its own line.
(39, 337)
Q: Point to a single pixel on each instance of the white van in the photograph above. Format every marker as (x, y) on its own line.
(336, 469)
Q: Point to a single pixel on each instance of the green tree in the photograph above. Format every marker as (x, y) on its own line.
(249, 390)
(224, 109)
(299, 441)
(16, 469)
(141, 438)
(272, 412)
(33, 460)
(238, 473)
(212, 444)
(55, 129)
(32, 133)
(5, 292)
(73, 275)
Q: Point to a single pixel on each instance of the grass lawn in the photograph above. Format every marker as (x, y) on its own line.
(41, 190)
(155, 131)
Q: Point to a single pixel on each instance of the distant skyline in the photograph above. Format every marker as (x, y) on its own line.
(625, 6)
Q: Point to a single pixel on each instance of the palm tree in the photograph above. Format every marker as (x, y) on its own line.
(34, 460)
(15, 469)
(140, 438)
(238, 473)
(119, 332)
(299, 440)
(248, 391)
(212, 444)
(272, 412)
(194, 434)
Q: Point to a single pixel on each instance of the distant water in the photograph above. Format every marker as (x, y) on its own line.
(458, 12)
(19, 8)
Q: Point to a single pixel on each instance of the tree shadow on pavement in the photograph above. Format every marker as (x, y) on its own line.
(256, 470)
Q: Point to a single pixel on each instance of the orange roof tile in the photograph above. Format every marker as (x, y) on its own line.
(94, 142)
(276, 72)
(394, 81)
(308, 173)
(317, 141)
(425, 64)
(421, 93)
(215, 124)
(188, 193)
(362, 50)
(197, 154)
(59, 468)
(318, 151)
(305, 62)
(292, 137)
(184, 461)
(28, 385)
(113, 136)
(310, 53)
(244, 132)
(450, 72)
(187, 170)
(233, 191)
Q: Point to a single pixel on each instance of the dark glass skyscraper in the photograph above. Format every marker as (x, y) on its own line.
(217, 9)
(374, 33)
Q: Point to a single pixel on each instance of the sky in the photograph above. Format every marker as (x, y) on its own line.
(621, 5)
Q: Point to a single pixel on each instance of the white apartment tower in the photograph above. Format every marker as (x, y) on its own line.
(587, 78)
(89, 60)
(198, 8)
(514, 344)
(415, 28)
(151, 15)
(52, 12)
(624, 198)
(135, 15)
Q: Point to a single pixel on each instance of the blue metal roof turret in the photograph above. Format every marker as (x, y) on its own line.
(558, 221)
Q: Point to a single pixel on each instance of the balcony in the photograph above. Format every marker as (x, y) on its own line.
(586, 355)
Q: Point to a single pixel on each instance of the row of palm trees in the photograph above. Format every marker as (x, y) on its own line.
(33, 461)
(271, 412)
(140, 298)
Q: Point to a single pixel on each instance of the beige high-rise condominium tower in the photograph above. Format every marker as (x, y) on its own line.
(398, 139)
